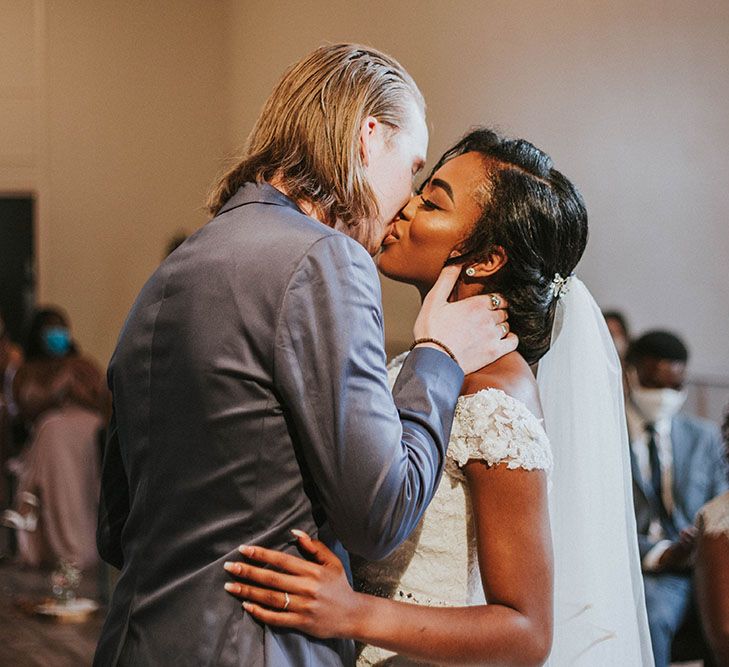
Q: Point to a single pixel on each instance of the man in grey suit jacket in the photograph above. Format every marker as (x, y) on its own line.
(249, 383)
(678, 465)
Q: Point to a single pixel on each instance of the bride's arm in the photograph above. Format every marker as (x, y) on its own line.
(515, 628)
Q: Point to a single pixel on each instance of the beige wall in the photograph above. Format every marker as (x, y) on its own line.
(136, 104)
(629, 99)
(128, 104)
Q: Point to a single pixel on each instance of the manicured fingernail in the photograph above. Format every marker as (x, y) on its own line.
(231, 567)
(298, 533)
(245, 549)
(247, 606)
(231, 587)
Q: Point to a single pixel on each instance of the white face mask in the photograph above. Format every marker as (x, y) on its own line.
(657, 404)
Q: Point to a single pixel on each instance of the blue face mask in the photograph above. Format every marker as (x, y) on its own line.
(56, 340)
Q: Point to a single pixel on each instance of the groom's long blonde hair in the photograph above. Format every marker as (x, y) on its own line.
(307, 134)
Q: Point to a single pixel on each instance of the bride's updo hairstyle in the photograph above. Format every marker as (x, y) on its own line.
(539, 219)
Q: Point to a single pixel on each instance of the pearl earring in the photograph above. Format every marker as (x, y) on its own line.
(470, 272)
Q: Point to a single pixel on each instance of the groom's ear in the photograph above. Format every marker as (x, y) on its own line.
(368, 134)
(496, 260)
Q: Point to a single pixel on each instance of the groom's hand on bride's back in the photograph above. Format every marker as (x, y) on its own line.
(476, 329)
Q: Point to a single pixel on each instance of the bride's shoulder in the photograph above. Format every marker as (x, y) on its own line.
(510, 375)
(499, 420)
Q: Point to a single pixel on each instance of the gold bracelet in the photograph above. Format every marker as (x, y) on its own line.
(443, 346)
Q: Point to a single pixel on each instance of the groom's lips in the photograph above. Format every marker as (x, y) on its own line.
(392, 237)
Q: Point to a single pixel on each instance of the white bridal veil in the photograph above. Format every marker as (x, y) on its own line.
(600, 616)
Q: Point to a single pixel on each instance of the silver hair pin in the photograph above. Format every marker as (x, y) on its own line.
(560, 285)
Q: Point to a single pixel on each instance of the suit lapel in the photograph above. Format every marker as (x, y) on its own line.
(257, 192)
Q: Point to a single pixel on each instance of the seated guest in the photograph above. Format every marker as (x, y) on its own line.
(618, 328)
(678, 465)
(10, 359)
(63, 398)
(54, 370)
(712, 569)
(58, 490)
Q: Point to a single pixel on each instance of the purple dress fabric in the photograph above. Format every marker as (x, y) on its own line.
(61, 467)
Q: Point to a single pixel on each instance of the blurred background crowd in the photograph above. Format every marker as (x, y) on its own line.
(115, 118)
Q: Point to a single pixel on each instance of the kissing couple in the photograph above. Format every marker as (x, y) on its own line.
(258, 439)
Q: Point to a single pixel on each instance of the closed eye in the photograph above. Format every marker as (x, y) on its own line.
(427, 204)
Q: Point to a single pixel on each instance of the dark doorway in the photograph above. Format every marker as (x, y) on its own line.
(17, 285)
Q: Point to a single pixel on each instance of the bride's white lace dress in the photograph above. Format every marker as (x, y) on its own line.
(438, 564)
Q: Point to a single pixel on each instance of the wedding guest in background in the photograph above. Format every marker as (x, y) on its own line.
(712, 568)
(619, 331)
(11, 358)
(55, 371)
(62, 397)
(678, 465)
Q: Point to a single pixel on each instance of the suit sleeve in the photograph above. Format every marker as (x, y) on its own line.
(114, 500)
(375, 456)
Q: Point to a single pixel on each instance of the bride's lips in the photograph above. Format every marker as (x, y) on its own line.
(392, 237)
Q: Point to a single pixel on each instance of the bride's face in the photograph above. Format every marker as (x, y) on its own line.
(434, 223)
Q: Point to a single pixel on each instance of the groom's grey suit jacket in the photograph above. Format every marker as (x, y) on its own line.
(250, 397)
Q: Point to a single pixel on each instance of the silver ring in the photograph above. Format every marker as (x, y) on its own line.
(288, 601)
(504, 329)
(495, 301)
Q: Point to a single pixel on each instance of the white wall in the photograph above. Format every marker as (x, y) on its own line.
(629, 99)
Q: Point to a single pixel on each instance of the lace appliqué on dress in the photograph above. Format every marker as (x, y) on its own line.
(714, 516)
(496, 428)
(393, 368)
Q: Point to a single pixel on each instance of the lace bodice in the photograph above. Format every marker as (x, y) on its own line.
(713, 518)
(438, 564)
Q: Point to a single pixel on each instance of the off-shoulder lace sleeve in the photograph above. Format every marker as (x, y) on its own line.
(393, 368)
(496, 428)
(713, 518)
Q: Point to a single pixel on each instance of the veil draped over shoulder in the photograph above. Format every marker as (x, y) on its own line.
(600, 615)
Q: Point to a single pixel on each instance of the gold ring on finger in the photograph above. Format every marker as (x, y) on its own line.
(287, 603)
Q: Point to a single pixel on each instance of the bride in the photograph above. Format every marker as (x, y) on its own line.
(528, 550)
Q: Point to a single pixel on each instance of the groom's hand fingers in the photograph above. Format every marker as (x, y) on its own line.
(485, 302)
(497, 302)
(445, 284)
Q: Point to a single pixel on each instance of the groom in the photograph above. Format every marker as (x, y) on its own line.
(249, 383)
